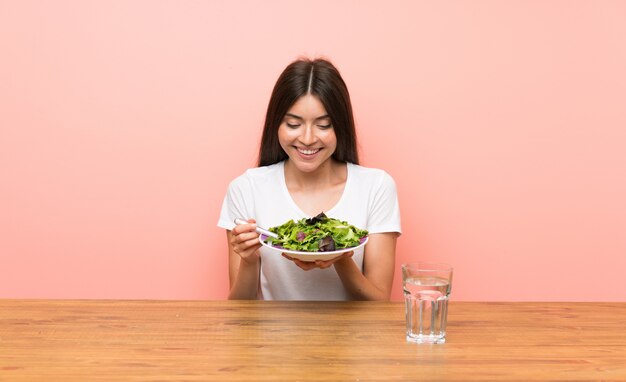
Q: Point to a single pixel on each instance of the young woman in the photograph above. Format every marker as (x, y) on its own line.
(308, 164)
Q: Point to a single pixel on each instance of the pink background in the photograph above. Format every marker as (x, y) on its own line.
(122, 122)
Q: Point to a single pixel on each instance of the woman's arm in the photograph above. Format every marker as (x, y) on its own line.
(379, 259)
(376, 281)
(244, 261)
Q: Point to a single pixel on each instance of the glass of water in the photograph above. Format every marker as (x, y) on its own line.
(426, 290)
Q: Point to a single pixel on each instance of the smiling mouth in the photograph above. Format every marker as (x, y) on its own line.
(307, 151)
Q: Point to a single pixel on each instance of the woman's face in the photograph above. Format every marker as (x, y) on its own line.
(307, 134)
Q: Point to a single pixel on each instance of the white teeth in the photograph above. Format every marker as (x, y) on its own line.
(308, 152)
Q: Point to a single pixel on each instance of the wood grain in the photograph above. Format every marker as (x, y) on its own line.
(67, 340)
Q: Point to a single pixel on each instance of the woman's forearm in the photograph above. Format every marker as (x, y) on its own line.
(246, 282)
(357, 285)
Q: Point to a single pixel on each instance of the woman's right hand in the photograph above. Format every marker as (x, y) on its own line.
(245, 241)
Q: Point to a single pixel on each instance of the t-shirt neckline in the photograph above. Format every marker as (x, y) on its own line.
(293, 203)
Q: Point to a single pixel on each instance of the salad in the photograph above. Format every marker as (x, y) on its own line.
(317, 234)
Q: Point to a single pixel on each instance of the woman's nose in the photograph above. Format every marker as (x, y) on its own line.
(308, 135)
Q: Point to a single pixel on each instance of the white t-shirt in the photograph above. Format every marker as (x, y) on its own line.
(369, 201)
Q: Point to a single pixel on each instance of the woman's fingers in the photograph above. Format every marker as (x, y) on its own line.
(327, 263)
(321, 264)
(244, 232)
(245, 237)
(250, 244)
(305, 265)
(245, 240)
(346, 255)
(243, 228)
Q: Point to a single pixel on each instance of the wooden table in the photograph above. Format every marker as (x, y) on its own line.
(59, 340)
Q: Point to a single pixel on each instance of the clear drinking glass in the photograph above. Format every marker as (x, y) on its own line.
(426, 290)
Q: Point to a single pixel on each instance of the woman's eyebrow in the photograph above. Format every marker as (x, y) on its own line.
(325, 116)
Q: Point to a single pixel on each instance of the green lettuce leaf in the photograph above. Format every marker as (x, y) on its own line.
(307, 234)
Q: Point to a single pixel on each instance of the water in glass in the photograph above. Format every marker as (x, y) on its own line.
(426, 303)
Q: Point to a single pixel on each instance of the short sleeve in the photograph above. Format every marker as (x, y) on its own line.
(384, 213)
(237, 203)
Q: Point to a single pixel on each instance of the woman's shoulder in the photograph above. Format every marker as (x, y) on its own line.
(369, 173)
(264, 171)
(256, 174)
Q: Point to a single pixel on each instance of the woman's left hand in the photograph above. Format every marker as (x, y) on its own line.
(322, 264)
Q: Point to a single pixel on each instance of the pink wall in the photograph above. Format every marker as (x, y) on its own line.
(122, 122)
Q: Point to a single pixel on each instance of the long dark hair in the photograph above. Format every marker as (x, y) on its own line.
(320, 78)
